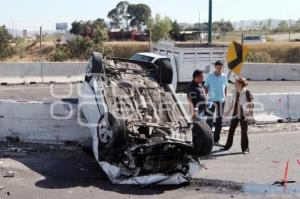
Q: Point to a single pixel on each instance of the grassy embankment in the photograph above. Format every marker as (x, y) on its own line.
(269, 52)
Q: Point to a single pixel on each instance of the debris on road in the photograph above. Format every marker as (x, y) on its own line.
(9, 174)
(2, 187)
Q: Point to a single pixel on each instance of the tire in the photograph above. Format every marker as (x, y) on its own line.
(112, 137)
(165, 71)
(202, 139)
(97, 65)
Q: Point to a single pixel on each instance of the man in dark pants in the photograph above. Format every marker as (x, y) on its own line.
(197, 96)
(216, 87)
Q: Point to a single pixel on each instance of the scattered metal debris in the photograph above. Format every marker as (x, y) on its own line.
(9, 174)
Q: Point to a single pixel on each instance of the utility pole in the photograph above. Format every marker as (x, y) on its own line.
(290, 30)
(41, 35)
(210, 22)
(150, 35)
(200, 27)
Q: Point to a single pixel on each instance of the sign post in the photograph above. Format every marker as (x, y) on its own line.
(210, 22)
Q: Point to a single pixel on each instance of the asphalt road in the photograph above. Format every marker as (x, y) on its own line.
(53, 172)
(50, 93)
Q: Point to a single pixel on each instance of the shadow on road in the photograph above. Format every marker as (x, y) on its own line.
(219, 153)
(63, 169)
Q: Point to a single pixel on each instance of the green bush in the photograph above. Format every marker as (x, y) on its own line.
(5, 48)
(60, 53)
(80, 48)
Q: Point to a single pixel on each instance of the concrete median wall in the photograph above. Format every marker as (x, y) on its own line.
(270, 71)
(34, 122)
(46, 72)
(57, 121)
(63, 72)
(269, 107)
(20, 73)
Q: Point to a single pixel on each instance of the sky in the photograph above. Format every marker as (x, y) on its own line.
(31, 14)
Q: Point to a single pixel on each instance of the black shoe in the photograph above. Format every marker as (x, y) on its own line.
(225, 148)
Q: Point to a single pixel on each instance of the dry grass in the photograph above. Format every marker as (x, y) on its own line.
(269, 52)
(275, 52)
(126, 49)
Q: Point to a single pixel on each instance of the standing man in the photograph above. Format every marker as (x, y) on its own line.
(197, 96)
(216, 87)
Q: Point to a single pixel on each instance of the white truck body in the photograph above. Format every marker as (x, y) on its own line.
(190, 57)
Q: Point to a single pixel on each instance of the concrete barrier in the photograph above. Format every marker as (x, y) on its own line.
(32, 121)
(57, 121)
(294, 106)
(271, 71)
(290, 72)
(36, 72)
(259, 72)
(268, 107)
(20, 73)
(63, 72)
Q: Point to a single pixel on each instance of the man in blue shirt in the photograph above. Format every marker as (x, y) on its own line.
(216, 87)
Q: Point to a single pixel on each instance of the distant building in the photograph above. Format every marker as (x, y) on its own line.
(131, 35)
(195, 35)
(254, 39)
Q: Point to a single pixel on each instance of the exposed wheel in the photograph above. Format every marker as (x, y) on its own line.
(97, 66)
(202, 138)
(165, 71)
(112, 137)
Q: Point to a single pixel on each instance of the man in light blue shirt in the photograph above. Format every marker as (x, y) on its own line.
(216, 87)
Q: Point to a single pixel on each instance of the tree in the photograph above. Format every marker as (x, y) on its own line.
(222, 26)
(269, 24)
(296, 26)
(216, 28)
(175, 32)
(119, 14)
(99, 23)
(77, 28)
(122, 8)
(87, 28)
(139, 15)
(80, 48)
(160, 28)
(5, 49)
(283, 26)
(114, 17)
(99, 36)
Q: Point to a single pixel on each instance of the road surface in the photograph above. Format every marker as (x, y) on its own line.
(50, 93)
(66, 172)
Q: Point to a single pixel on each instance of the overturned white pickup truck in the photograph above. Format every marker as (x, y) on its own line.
(141, 133)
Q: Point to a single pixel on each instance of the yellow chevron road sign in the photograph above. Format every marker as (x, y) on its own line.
(236, 57)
